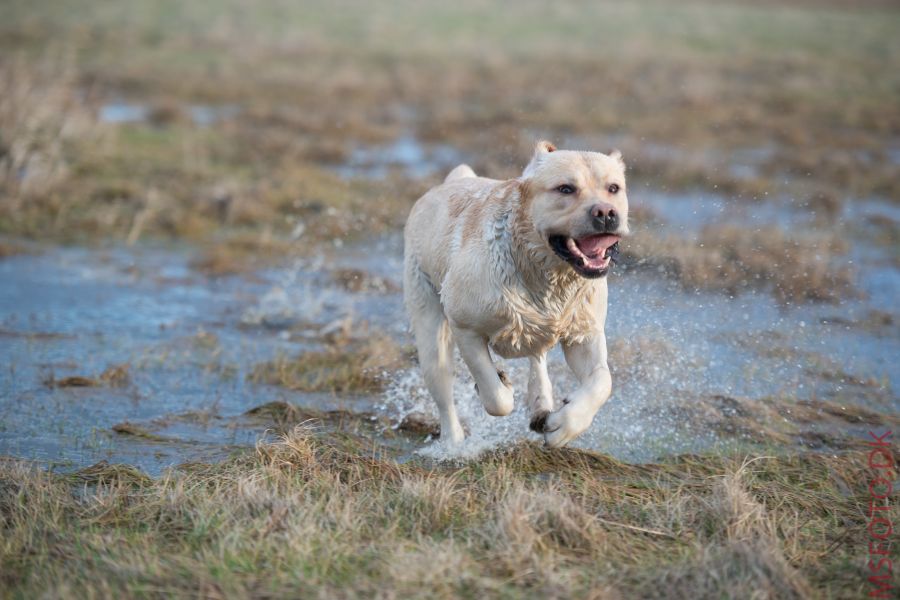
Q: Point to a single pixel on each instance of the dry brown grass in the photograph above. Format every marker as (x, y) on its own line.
(702, 80)
(351, 366)
(312, 516)
(779, 421)
(132, 429)
(242, 254)
(287, 415)
(40, 117)
(113, 376)
(325, 517)
(796, 267)
(357, 280)
(8, 249)
(65, 176)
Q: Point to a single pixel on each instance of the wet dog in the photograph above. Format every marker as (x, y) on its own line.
(516, 267)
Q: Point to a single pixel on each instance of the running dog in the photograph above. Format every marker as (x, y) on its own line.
(516, 267)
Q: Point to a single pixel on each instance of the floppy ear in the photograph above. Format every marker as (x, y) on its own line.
(617, 156)
(541, 149)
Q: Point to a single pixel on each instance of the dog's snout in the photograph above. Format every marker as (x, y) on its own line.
(602, 211)
(604, 217)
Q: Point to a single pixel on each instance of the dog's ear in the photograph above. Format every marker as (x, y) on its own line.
(541, 149)
(617, 156)
(544, 147)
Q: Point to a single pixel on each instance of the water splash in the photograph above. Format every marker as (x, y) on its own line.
(406, 395)
(635, 424)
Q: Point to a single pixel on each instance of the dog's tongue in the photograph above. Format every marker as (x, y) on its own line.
(596, 245)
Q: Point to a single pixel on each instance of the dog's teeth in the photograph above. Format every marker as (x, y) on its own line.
(612, 252)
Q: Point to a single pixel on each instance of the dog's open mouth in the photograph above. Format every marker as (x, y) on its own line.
(590, 256)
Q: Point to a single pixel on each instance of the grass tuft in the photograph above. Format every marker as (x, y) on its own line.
(729, 258)
(323, 515)
(357, 366)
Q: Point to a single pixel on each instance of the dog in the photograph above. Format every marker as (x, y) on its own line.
(516, 267)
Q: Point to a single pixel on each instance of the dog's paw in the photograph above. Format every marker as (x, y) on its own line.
(454, 436)
(539, 421)
(566, 424)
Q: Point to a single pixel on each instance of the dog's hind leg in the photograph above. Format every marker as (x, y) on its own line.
(540, 392)
(435, 348)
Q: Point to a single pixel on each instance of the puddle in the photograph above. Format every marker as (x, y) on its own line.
(684, 364)
(406, 155)
(120, 112)
(210, 115)
(893, 153)
(747, 163)
(78, 312)
(741, 163)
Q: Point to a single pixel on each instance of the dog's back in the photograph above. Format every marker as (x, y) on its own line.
(460, 172)
(443, 217)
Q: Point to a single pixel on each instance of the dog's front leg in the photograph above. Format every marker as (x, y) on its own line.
(494, 388)
(587, 360)
(540, 393)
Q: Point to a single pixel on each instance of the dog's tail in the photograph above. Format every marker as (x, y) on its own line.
(460, 172)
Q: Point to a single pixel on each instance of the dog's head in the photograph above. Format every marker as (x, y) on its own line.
(577, 204)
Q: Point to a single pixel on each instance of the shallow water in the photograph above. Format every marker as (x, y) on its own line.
(189, 342)
(121, 112)
(406, 155)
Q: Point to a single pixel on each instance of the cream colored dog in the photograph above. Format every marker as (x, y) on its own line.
(517, 266)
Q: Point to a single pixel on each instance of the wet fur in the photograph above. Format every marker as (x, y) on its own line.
(478, 268)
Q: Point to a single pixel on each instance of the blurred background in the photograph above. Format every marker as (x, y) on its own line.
(208, 197)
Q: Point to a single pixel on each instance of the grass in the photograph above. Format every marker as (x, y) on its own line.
(64, 176)
(796, 267)
(355, 367)
(474, 77)
(778, 422)
(8, 249)
(70, 178)
(113, 376)
(127, 428)
(876, 322)
(328, 516)
(357, 280)
(806, 88)
(684, 89)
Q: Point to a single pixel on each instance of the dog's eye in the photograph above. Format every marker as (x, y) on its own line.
(613, 188)
(566, 189)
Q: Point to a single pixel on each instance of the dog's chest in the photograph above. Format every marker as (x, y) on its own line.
(533, 326)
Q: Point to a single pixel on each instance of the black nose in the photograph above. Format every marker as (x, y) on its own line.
(605, 218)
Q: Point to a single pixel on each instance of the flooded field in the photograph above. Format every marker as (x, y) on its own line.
(133, 355)
(208, 388)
